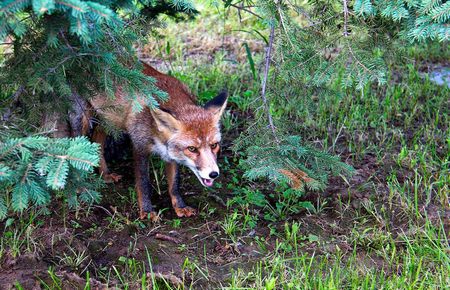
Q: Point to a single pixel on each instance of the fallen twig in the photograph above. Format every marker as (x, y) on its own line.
(218, 199)
(163, 237)
(171, 278)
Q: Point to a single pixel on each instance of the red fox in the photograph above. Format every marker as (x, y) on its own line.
(179, 131)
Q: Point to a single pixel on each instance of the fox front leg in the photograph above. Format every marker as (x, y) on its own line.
(99, 136)
(143, 186)
(173, 180)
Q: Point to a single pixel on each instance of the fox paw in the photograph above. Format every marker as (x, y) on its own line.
(185, 211)
(112, 177)
(153, 216)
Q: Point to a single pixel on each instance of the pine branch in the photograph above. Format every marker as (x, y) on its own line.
(12, 4)
(74, 4)
(38, 164)
(11, 149)
(441, 13)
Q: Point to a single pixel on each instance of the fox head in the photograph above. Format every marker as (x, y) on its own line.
(191, 137)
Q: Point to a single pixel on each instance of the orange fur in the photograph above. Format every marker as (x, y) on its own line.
(171, 132)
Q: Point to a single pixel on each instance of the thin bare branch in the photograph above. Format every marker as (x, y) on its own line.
(346, 33)
(239, 8)
(264, 82)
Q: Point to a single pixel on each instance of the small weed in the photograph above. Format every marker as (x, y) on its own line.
(207, 211)
(230, 225)
(18, 237)
(176, 223)
(56, 281)
(75, 259)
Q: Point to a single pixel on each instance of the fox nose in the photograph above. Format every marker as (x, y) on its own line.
(214, 174)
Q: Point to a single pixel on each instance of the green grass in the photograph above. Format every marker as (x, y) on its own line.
(419, 263)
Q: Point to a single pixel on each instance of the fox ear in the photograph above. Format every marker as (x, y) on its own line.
(217, 105)
(165, 121)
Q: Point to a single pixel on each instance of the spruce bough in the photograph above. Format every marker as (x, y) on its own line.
(32, 168)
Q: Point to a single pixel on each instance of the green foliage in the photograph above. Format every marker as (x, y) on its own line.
(364, 8)
(86, 47)
(316, 45)
(32, 168)
(424, 19)
(289, 161)
(57, 55)
(52, 52)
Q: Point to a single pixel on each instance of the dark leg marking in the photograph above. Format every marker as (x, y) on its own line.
(143, 186)
(99, 136)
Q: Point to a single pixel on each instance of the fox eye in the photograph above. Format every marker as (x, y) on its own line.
(192, 149)
(214, 146)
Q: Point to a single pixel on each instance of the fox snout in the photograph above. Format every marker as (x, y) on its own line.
(214, 174)
(209, 181)
(206, 168)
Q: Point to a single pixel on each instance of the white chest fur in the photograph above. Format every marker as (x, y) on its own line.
(161, 150)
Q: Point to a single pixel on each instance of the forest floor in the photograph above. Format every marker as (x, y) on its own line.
(387, 226)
